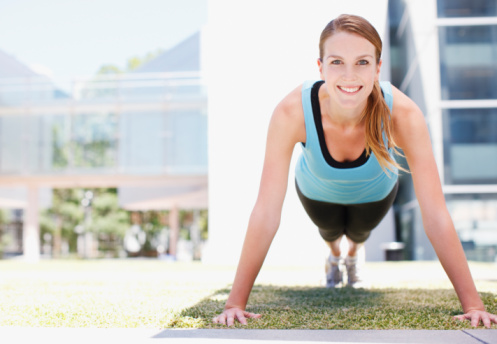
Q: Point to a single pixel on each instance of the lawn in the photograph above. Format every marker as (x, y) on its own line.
(158, 294)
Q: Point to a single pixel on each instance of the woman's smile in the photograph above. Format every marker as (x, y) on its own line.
(350, 89)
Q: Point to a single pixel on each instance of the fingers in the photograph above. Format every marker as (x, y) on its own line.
(252, 315)
(479, 316)
(220, 319)
(475, 319)
(241, 318)
(486, 321)
(229, 316)
(230, 321)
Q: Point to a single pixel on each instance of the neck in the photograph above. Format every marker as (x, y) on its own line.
(344, 117)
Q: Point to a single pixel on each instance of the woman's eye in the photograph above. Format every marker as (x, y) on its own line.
(363, 62)
(336, 62)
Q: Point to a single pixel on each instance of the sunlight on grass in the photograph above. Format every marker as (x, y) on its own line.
(156, 294)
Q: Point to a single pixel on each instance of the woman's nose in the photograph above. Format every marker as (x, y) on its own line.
(349, 72)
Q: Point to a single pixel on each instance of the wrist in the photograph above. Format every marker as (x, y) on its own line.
(472, 309)
(232, 305)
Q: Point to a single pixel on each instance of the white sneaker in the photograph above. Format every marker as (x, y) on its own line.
(334, 275)
(353, 272)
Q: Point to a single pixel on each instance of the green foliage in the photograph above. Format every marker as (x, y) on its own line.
(4, 216)
(152, 223)
(132, 63)
(5, 239)
(109, 70)
(67, 213)
(107, 216)
(204, 224)
(93, 141)
(137, 61)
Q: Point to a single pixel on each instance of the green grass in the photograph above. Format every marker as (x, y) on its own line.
(155, 294)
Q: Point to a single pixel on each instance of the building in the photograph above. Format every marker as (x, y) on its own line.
(143, 132)
(444, 56)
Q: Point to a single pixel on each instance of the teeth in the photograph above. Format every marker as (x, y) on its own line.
(350, 90)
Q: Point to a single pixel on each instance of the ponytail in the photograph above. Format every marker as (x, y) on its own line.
(378, 121)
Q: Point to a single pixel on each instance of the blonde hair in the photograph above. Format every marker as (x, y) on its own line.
(377, 113)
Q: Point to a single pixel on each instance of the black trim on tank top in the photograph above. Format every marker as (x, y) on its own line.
(316, 110)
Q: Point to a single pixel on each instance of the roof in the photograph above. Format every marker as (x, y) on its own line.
(183, 57)
(10, 67)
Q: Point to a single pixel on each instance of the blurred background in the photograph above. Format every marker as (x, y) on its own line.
(137, 129)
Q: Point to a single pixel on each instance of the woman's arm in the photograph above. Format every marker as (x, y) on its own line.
(285, 130)
(412, 136)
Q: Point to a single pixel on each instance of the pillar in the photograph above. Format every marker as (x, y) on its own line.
(31, 229)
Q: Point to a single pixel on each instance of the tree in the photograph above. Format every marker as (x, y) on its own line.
(109, 222)
(4, 239)
(62, 218)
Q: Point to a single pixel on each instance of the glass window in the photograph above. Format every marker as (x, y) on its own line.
(158, 142)
(468, 62)
(12, 144)
(466, 8)
(470, 146)
(398, 49)
(475, 220)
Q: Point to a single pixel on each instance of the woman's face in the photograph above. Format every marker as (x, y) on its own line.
(349, 69)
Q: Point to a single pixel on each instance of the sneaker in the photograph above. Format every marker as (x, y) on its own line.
(333, 273)
(353, 272)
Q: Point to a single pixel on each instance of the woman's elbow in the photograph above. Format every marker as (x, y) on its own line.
(265, 220)
(439, 225)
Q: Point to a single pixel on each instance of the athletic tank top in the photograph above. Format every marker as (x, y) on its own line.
(321, 178)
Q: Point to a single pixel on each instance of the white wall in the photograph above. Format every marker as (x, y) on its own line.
(255, 53)
(422, 17)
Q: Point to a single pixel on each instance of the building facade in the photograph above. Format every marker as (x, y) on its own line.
(143, 132)
(444, 55)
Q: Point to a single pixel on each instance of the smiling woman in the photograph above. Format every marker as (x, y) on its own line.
(349, 125)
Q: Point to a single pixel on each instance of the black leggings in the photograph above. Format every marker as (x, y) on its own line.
(356, 221)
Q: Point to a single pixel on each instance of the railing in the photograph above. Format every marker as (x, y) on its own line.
(153, 123)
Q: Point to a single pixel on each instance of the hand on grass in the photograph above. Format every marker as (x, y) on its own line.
(476, 317)
(229, 315)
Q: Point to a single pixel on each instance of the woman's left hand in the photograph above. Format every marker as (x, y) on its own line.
(476, 316)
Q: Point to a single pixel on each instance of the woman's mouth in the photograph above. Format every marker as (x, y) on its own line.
(350, 90)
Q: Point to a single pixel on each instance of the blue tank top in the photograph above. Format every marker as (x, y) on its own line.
(320, 179)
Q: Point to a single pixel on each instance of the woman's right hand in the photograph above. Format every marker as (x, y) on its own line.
(229, 315)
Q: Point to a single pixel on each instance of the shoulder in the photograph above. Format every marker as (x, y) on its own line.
(408, 120)
(402, 103)
(291, 104)
(288, 115)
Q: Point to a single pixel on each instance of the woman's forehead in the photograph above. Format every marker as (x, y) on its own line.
(346, 43)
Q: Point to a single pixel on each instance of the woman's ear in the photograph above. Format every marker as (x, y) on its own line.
(378, 69)
(320, 66)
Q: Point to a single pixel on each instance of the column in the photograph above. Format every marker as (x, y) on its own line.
(31, 229)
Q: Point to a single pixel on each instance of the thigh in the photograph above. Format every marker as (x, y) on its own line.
(328, 217)
(363, 218)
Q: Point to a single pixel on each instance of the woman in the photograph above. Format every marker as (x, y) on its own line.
(349, 126)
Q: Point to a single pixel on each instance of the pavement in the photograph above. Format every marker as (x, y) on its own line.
(240, 336)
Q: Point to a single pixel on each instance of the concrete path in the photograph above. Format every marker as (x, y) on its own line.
(236, 336)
